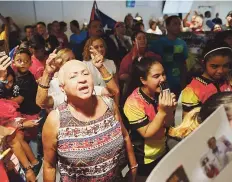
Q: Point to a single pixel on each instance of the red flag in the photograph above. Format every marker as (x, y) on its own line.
(93, 11)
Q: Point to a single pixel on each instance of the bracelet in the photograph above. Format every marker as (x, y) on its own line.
(27, 168)
(106, 80)
(43, 86)
(133, 167)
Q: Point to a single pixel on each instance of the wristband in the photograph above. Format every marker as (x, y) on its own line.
(133, 167)
(109, 77)
(106, 80)
(43, 86)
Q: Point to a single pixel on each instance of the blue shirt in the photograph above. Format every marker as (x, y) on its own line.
(174, 53)
(77, 39)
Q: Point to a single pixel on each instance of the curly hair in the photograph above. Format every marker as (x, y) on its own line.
(86, 52)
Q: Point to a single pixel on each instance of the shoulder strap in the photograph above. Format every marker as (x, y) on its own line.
(109, 102)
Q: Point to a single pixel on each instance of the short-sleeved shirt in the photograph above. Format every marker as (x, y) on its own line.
(26, 87)
(140, 110)
(77, 39)
(37, 68)
(199, 90)
(97, 78)
(174, 53)
(127, 61)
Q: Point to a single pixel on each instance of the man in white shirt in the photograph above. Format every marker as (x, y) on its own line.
(219, 152)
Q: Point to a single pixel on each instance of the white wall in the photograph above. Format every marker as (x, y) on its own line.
(28, 12)
(23, 12)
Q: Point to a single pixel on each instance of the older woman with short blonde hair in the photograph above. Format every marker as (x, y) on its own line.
(85, 135)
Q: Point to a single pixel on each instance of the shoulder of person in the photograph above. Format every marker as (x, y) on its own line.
(127, 37)
(134, 98)
(127, 56)
(179, 40)
(108, 101)
(149, 30)
(53, 119)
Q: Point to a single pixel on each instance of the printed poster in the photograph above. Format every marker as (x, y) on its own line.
(204, 156)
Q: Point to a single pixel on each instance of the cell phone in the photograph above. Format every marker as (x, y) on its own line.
(164, 86)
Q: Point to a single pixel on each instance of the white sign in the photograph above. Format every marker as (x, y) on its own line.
(204, 156)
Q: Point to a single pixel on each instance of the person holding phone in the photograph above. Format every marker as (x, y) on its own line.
(148, 111)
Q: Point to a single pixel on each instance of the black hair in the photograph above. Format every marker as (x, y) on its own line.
(41, 23)
(212, 29)
(8, 19)
(207, 14)
(63, 24)
(55, 22)
(221, 36)
(137, 26)
(37, 42)
(170, 18)
(212, 45)
(27, 26)
(134, 35)
(213, 102)
(125, 19)
(75, 23)
(11, 72)
(3, 27)
(229, 14)
(24, 47)
(140, 69)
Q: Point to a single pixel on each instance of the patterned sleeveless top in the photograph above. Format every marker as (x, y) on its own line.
(90, 151)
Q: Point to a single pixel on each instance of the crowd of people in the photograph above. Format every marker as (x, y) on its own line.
(93, 104)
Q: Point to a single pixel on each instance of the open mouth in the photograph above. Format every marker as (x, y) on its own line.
(84, 89)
